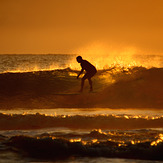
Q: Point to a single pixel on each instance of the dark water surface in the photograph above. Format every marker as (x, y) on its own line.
(43, 118)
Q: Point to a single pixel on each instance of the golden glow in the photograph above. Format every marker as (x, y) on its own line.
(126, 117)
(25, 113)
(104, 57)
(159, 140)
(34, 69)
(161, 136)
(94, 140)
(75, 140)
(132, 142)
(72, 74)
(137, 116)
(53, 137)
(63, 116)
(54, 114)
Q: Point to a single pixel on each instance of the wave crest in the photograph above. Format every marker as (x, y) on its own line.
(60, 148)
(37, 121)
(116, 88)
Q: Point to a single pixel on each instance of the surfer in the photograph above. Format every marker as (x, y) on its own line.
(90, 72)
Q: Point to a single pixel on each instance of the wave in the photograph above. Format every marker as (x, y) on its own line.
(146, 144)
(115, 87)
(38, 121)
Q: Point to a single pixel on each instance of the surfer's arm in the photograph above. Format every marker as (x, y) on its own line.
(80, 73)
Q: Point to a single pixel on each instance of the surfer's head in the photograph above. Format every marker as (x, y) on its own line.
(79, 59)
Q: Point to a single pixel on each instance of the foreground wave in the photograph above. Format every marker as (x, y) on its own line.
(116, 87)
(140, 144)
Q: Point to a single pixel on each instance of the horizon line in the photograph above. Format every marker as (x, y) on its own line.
(37, 54)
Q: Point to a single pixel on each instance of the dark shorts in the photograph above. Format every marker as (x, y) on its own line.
(89, 75)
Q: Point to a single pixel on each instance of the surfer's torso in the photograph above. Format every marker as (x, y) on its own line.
(88, 67)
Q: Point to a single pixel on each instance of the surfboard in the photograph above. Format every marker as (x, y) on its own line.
(64, 94)
(74, 93)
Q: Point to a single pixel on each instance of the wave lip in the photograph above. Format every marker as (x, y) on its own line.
(135, 87)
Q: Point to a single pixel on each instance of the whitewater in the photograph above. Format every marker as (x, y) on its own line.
(43, 118)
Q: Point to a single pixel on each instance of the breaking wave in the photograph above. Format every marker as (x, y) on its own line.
(115, 87)
(102, 121)
(145, 144)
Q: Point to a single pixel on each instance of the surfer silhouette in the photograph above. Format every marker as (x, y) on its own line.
(90, 72)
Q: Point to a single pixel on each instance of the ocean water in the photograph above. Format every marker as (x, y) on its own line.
(43, 118)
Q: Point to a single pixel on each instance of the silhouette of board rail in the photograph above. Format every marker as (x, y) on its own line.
(74, 93)
(67, 94)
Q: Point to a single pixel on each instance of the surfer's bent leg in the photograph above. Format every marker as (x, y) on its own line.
(90, 83)
(83, 80)
(82, 84)
(87, 76)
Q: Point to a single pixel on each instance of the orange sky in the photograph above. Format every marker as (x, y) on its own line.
(64, 26)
